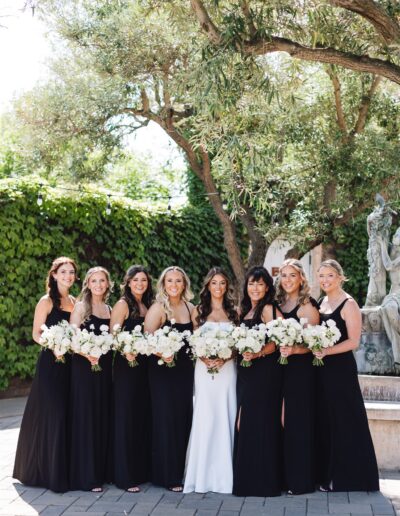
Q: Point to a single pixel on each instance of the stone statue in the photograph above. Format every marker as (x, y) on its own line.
(390, 308)
(378, 228)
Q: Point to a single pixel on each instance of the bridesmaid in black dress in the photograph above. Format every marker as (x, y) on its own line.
(345, 454)
(91, 391)
(171, 388)
(256, 458)
(131, 393)
(298, 414)
(42, 451)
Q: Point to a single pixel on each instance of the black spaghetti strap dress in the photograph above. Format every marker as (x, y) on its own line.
(345, 453)
(131, 418)
(299, 423)
(42, 452)
(257, 465)
(90, 419)
(171, 391)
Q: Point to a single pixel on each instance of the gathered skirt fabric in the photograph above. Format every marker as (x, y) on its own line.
(131, 423)
(42, 451)
(257, 459)
(345, 453)
(299, 423)
(171, 391)
(90, 422)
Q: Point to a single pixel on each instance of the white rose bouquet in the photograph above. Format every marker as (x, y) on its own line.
(212, 343)
(87, 343)
(130, 343)
(166, 342)
(57, 338)
(285, 332)
(249, 340)
(321, 336)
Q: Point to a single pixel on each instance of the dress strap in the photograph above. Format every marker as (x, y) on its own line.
(341, 304)
(190, 315)
(273, 311)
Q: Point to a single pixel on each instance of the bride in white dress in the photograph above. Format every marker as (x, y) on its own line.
(209, 456)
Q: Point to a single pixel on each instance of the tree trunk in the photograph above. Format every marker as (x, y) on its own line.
(258, 244)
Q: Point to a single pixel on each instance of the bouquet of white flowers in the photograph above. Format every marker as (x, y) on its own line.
(212, 343)
(249, 340)
(285, 332)
(321, 336)
(166, 342)
(57, 338)
(88, 343)
(130, 342)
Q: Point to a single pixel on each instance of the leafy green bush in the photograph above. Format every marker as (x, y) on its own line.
(78, 226)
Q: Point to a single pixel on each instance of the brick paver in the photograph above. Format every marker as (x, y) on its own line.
(18, 500)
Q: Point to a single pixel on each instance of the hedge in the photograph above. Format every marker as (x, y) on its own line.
(78, 226)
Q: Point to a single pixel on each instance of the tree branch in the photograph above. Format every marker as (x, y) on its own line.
(145, 100)
(205, 22)
(365, 105)
(321, 55)
(375, 14)
(338, 102)
(325, 55)
(250, 24)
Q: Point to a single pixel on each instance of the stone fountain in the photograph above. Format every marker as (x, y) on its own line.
(378, 357)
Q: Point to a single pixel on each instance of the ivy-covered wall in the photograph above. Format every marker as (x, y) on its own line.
(78, 226)
(66, 224)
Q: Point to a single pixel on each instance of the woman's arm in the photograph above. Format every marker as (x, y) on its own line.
(269, 347)
(119, 314)
(309, 312)
(154, 319)
(351, 313)
(194, 315)
(77, 314)
(42, 310)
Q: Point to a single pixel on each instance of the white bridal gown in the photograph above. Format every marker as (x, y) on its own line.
(209, 456)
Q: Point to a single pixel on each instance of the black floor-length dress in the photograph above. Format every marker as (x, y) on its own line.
(299, 423)
(42, 451)
(171, 391)
(131, 418)
(257, 464)
(345, 453)
(90, 420)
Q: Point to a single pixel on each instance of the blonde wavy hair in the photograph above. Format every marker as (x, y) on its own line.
(162, 296)
(304, 292)
(333, 264)
(86, 295)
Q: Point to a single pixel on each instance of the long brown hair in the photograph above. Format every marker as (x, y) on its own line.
(204, 308)
(127, 295)
(51, 283)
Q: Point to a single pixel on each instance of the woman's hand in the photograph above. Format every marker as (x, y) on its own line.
(130, 357)
(167, 360)
(286, 351)
(248, 356)
(212, 363)
(92, 360)
(321, 354)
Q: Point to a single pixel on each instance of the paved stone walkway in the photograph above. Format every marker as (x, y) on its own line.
(18, 500)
